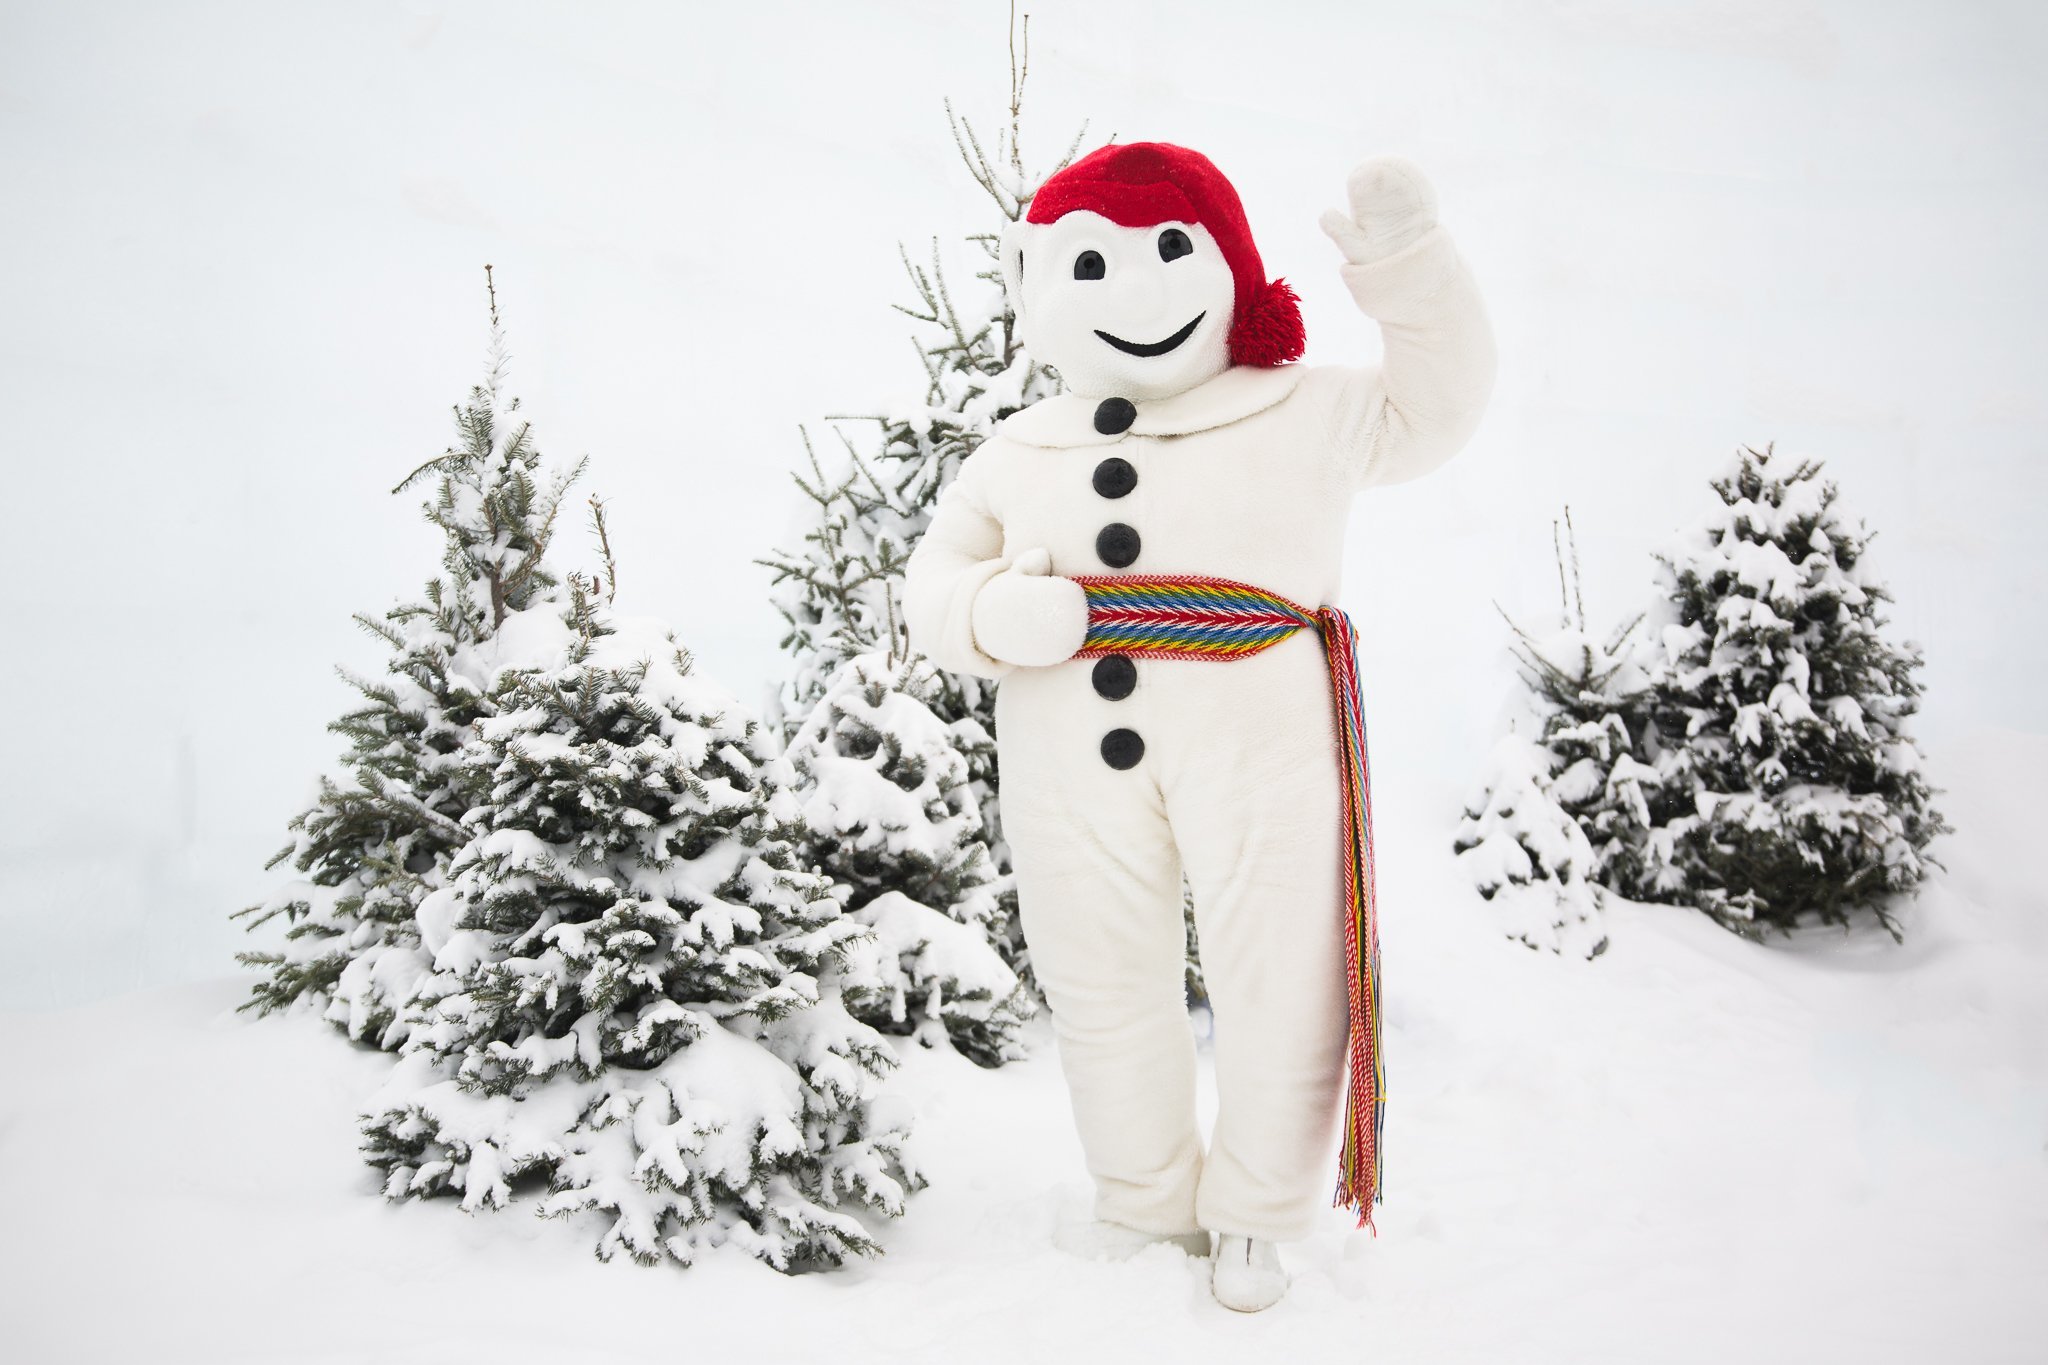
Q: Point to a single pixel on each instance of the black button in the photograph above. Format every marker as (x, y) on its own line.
(1115, 676)
(1117, 544)
(1122, 748)
(1115, 477)
(1113, 415)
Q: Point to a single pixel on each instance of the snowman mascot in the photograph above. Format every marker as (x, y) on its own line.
(1148, 562)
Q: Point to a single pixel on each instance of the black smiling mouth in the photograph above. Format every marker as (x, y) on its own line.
(1154, 347)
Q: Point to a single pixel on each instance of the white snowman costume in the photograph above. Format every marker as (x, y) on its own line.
(1165, 457)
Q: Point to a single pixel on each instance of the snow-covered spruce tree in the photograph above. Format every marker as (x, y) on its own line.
(633, 995)
(892, 818)
(837, 589)
(1529, 858)
(1197, 990)
(1563, 803)
(374, 842)
(1789, 788)
(839, 593)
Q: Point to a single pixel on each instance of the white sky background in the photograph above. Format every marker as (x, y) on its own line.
(241, 286)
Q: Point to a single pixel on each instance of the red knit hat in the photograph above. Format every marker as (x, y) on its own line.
(1140, 184)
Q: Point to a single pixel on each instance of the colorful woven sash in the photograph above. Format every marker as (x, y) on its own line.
(1188, 616)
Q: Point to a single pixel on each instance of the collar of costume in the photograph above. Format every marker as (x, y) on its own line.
(1068, 419)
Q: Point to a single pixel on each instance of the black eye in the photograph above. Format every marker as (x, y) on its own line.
(1088, 266)
(1174, 244)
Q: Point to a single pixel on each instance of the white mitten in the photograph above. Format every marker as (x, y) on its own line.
(1392, 205)
(1026, 616)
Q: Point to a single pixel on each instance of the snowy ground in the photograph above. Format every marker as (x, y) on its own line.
(1693, 1149)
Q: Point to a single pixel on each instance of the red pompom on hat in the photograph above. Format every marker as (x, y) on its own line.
(1143, 184)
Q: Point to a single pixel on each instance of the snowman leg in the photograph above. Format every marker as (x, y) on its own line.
(1263, 862)
(1098, 889)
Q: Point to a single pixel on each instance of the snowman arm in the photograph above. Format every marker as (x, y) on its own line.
(958, 554)
(1419, 406)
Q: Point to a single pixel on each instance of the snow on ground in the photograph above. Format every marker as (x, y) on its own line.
(1693, 1149)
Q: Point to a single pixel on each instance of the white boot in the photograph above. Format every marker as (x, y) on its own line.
(1247, 1274)
(1101, 1240)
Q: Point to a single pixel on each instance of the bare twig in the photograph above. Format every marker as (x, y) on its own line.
(1571, 537)
(1564, 597)
(1017, 78)
(604, 546)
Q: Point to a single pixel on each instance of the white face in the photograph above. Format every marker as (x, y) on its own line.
(1121, 312)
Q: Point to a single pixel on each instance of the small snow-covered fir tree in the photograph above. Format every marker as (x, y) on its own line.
(1790, 787)
(1196, 989)
(867, 505)
(1563, 802)
(374, 842)
(1528, 856)
(839, 594)
(837, 589)
(892, 817)
(633, 995)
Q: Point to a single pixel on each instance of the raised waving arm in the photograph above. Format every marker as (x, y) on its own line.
(1418, 407)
